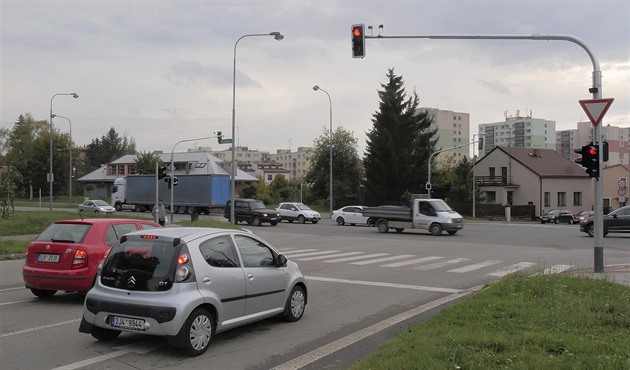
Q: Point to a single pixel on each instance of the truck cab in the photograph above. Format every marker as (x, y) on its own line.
(436, 216)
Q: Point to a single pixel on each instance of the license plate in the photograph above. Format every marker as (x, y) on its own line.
(47, 257)
(126, 323)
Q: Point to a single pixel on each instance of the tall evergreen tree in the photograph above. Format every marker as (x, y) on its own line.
(108, 148)
(398, 145)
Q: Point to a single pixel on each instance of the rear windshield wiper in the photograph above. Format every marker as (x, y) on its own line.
(61, 240)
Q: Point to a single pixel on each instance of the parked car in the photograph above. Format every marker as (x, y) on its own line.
(252, 211)
(352, 215)
(556, 216)
(297, 212)
(617, 221)
(190, 283)
(66, 255)
(96, 206)
(582, 215)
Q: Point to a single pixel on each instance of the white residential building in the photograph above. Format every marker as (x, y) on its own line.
(519, 132)
(453, 129)
(297, 162)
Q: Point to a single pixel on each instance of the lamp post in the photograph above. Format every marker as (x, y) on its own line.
(50, 172)
(331, 147)
(70, 160)
(173, 168)
(278, 36)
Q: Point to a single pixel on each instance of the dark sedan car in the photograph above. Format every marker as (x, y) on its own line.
(617, 221)
(556, 216)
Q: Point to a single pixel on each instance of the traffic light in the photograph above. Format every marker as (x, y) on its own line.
(175, 181)
(480, 145)
(162, 172)
(219, 137)
(589, 160)
(358, 41)
(299, 186)
(605, 150)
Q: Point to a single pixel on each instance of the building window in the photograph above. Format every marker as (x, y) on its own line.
(577, 198)
(562, 199)
(491, 197)
(269, 177)
(547, 200)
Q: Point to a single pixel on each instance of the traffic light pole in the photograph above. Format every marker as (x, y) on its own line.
(596, 90)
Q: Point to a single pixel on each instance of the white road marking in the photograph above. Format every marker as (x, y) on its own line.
(357, 257)
(290, 251)
(294, 256)
(475, 266)
(386, 285)
(556, 269)
(328, 256)
(383, 259)
(512, 269)
(140, 347)
(412, 262)
(323, 351)
(15, 302)
(8, 289)
(441, 264)
(39, 328)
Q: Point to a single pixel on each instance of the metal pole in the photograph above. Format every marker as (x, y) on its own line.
(596, 90)
(278, 36)
(330, 148)
(50, 172)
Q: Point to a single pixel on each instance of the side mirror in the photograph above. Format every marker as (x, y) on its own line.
(282, 260)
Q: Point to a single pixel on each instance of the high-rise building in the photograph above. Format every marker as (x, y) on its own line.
(297, 162)
(617, 138)
(520, 132)
(453, 129)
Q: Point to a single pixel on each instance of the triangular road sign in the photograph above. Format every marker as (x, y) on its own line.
(596, 109)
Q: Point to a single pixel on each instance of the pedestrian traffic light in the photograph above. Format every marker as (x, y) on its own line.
(175, 181)
(358, 41)
(299, 186)
(605, 150)
(162, 172)
(219, 137)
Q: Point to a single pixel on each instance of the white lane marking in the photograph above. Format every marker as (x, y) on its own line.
(16, 302)
(290, 251)
(556, 269)
(140, 347)
(383, 259)
(8, 289)
(39, 328)
(386, 285)
(328, 256)
(475, 266)
(323, 351)
(294, 256)
(357, 257)
(511, 269)
(441, 264)
(412, 262)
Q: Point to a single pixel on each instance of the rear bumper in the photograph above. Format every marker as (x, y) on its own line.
(79, 280)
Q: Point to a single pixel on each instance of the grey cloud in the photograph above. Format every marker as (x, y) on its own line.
(188, 73)
(495, 86)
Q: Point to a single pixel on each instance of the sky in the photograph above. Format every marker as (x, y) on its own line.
(161, 72)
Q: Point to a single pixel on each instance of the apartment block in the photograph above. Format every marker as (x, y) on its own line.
(520, 132)
(453, 129)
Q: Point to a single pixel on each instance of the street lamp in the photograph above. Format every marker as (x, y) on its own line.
(278, 36)
(331, 147)
(50, 173)
(70, 161)
(173, 168)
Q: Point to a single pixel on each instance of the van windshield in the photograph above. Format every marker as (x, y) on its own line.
(441, 206)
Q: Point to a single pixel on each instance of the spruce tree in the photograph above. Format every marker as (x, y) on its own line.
(398, 146)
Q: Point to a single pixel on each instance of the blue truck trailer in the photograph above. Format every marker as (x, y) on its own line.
(192, 194)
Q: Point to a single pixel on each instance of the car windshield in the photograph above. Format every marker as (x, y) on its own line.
(100, 203)
(552, 213)
(257, 205)
(141, 264)
(64, 233)
(303, 207)
(440, 206)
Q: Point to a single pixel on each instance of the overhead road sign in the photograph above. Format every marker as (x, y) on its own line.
(596, 109)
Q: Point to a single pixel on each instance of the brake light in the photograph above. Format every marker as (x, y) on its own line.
(183, 258)
(80, 259)
(148, 237)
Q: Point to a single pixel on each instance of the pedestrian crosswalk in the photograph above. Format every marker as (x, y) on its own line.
(454, 265)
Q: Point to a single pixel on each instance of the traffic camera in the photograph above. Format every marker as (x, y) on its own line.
(358, 41)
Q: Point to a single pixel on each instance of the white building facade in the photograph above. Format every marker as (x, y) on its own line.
(520, 132)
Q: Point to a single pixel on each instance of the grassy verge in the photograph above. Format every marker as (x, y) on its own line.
(521, 322)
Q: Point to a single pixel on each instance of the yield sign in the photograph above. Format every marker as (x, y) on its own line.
(596, 109)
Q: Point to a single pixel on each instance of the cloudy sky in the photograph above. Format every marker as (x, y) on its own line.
(161, 71)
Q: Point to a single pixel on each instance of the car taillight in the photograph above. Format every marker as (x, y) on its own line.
(80, 259)
(184, 268)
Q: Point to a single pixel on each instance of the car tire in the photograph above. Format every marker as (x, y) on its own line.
(274, 223)
(542, 222)
(399, 229)
(256, 221)
(104, 334)
(296, 302)
(382, 226)
(198, 332)
(556, 220)
(315, 221)
(290, 221)
(301, 219)
(571, 221)
(452, 232)
(435, 229)
(340, 221)
(590, 230)
(43, 293)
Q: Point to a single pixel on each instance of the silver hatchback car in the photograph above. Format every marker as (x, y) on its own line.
(190, 283)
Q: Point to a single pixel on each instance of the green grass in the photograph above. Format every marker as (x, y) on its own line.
(9, 247)
(521, 322)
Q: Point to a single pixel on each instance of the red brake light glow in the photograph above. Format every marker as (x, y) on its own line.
(148, 237)
(80, 259)
(183, 258)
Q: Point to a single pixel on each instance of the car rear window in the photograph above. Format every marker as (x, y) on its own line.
(141, 264)
(115, 231)
(69, 233)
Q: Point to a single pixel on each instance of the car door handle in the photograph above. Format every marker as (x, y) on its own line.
(207, 280)
(250, 277)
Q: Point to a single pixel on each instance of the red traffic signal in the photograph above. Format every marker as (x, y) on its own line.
(358, 41)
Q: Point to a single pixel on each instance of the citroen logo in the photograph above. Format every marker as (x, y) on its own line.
(131, 280)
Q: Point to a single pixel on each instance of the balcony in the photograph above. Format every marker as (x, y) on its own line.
(495, 181)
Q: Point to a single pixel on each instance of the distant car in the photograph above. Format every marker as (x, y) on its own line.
(617, 221)
(252, 211)
(582, 216)
(66, 255)
(297, 212)
(96, 206)
(189, 283)
(352, 215)
(556, 216)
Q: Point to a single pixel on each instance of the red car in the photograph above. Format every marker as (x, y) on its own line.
(67, 254)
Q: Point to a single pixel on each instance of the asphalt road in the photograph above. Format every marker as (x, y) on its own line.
(363, 287)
